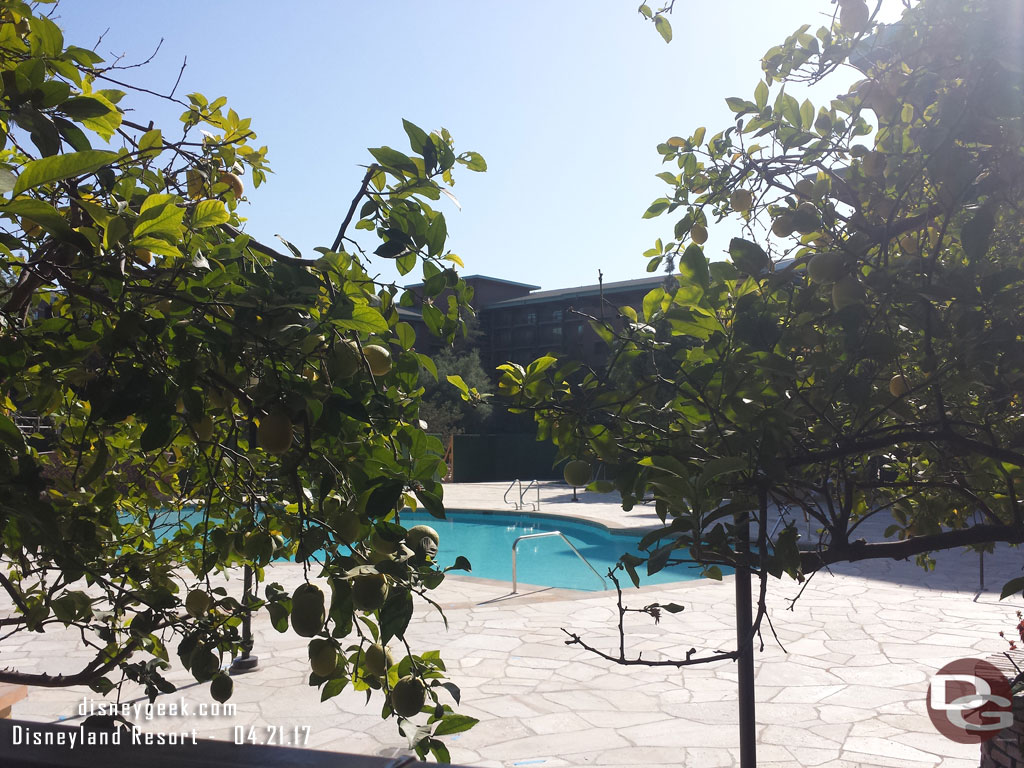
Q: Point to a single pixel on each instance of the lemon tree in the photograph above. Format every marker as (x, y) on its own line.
(859, 357)
(179, 400)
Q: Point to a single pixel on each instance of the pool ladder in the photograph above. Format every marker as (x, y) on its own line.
(521, 505)
(546, 535)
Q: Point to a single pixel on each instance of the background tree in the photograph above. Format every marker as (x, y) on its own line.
(860, 356)
(215, 402)
(444, 410)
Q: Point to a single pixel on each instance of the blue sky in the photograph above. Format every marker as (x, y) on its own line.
(566, 101)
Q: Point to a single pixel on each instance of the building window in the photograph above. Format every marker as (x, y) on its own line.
(531, 318)
(523, 335)
(556, 315)
(552, 333)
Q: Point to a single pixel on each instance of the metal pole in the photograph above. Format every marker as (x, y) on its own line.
(246, 662)
(745, 644)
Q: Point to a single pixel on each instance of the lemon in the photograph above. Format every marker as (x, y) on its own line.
(369, 591)
(408, 696)
(577, 473)
(197, 603)
(741, 200)
(377, 660)
(275, 432)
(308, 612)
(378, 358)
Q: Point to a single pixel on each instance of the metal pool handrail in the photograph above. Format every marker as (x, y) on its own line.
(516, 504)
(544, 535)
(523, 491)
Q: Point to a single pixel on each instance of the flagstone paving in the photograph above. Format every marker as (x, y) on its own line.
(846, 687)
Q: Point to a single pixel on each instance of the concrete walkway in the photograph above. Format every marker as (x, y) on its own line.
(848, 690)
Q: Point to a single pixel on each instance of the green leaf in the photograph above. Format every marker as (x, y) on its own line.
(406, 335)
(806, 115)
(418, 138)
(392, 158)
(977, 233)
(761, 95)
(664, 28)
(156, 434)
(10, 434)
(364, 319)
(160, 216)
(46, 38)
(209, 213)
(151, 139)
(694, 265)
(43, 214)
(749, 257)
(432, 502)
(427, 363)
(473, 161)
(84, 108)
(333, 688)
(57, 167)
(99, 464)
(1012, 587)
(455, 724)
(395, 615)
(456, 380)
(657, 208)
(7, 181)
(714, 572)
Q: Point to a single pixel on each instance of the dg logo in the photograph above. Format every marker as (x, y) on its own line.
(969, 701)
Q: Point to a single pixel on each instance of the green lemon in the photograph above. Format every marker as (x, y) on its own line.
(408, 696)
(577, 473)
(308, 612)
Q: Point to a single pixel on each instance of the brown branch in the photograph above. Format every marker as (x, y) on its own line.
(916, 545)
(352, 206)
(575, 639)
(93, 671)
(909, 436)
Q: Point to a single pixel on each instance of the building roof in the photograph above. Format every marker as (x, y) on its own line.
(489, 279)
(581, 291)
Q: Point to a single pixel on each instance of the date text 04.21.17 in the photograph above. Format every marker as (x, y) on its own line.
(279, 735)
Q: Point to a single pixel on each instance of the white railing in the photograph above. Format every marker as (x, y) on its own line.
(520, 504)
(545, 535)
(516, 504)
(523, 491)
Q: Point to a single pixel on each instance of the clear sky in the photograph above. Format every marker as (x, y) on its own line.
(566, 102)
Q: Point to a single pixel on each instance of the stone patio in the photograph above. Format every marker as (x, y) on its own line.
(848, 690)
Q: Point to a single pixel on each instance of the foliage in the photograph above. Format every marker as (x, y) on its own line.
(446, 409)
(860, 357)
(207, 401)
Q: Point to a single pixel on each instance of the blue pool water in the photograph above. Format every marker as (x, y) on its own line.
(486, 541)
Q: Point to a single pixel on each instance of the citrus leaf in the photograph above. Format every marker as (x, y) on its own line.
(48, 169)
(664, 28)
(455, 724)
(209, 213)
(1012, 587)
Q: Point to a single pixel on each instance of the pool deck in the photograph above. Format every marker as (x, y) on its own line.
(849, 689)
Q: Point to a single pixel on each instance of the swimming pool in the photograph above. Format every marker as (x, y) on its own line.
(485, 539)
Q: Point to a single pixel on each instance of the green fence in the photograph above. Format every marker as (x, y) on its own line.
(485, 458)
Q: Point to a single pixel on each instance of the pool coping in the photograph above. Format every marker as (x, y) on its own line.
(640, 530)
